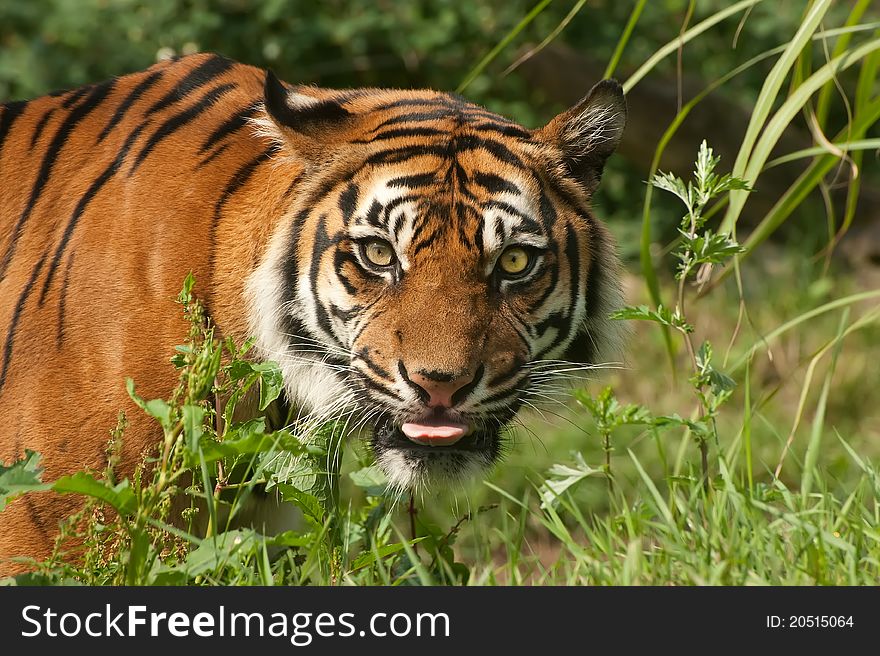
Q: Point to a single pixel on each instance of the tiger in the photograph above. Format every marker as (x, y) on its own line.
(404, 256)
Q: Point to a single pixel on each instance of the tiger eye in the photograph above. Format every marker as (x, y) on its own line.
(514, 260)
(379, 253)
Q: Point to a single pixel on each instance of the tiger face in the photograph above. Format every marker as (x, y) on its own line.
(452, 260)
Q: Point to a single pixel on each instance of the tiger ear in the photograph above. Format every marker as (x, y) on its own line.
(589, 132)
(299, 113)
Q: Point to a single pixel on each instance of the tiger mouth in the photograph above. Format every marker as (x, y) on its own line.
(389, 434)
(410, 465)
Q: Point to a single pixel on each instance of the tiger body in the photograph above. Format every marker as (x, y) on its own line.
(276, 199)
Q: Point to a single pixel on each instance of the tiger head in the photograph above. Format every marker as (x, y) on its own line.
(439, 263)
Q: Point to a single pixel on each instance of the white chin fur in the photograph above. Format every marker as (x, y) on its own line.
(444, 471)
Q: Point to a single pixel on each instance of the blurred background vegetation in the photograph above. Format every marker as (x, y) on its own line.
(51, 44)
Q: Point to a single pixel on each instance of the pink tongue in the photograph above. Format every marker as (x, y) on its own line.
(435, 435)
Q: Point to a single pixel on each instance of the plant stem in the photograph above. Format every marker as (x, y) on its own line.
(607, 446)
(704, 462)
(412, 521)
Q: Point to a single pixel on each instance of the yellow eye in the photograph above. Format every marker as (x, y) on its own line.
(514, 260)
(379, 253)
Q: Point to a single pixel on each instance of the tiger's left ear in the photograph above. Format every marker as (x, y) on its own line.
(299, 115)
(589, 132)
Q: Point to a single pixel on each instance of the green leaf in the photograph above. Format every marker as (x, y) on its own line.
(661, 315)
(292, 539)
(371, 479)
(271, 382)
(185, 295)
(244, 439)
(717, 380)
(229, 549)
(193, 425)
(674, 185)
(707, 248)
(297, 469)
(120, 496)
(21, 476)
(156, 408)
(308, 503)
(240, 369)
(33, 579)
(369, 557)
(563, 477)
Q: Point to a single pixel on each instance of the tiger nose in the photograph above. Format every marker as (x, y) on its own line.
(440, 388)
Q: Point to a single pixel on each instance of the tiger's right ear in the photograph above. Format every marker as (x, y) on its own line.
(300, 114)
(589, 132)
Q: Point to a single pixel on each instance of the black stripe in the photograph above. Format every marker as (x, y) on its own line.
(16, 316)
(525, 221)
(11, 111)
(595, 274)
(495, 184)
(555, 320)
(504, 376)
(548, 212)
(364, 356)
(321, 244)
(171, 125)
(126, 104)
(230, 125)
(340, 259)
(240, 178)
(418, 102)
(574, 266)
(418, 389)
(74, 96)
(398, 133)
(62, 305)
(427, 242)
(422, 221)
(344, 315)
(371, 384)
(394, 155)
(391, 206)
(84, 200)
(414, 117)
(478, 239)
(394, 227)
(463, 236)
(462, 392)
(416, 181)
(76, 115)
(38, 130)
(214, 155)
(508, 130)
(554, 280)
(493, 147)
(498, 396)
(372, 216)
(293, 185)
(290, 273)
(198, 77)
(566, 328)
(348, 202)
